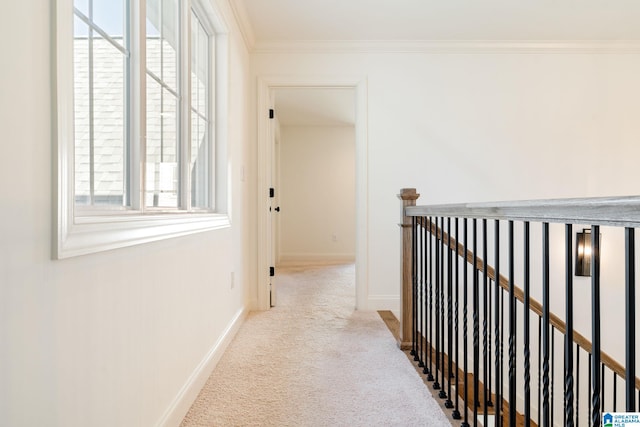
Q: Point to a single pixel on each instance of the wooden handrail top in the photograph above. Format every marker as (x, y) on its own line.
(612, 211)
(536, 306)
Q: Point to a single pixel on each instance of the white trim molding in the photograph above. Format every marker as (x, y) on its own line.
(181, 404)
(315, 258)
(384, 302)
(449, 46)
(241, 15)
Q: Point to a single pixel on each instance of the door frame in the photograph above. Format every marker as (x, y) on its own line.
(265, 85)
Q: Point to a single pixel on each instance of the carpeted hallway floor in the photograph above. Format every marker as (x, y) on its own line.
(315, 361)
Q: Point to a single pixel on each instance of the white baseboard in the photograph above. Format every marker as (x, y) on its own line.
(176, 412)
(384, 302)
(310, 258)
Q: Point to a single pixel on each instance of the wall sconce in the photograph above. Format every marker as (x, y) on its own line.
(583, 253)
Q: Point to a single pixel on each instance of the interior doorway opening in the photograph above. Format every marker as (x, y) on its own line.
(315, 176)
(268, 133)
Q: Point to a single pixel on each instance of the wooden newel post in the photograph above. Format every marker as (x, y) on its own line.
(408, 197)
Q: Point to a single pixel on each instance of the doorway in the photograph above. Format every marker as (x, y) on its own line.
(315, 175)
(269, 90)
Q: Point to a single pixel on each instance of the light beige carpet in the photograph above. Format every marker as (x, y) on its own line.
(315, 361)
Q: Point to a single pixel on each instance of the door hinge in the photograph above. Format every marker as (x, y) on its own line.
(272, 192)
(272, 271)
(272, 113)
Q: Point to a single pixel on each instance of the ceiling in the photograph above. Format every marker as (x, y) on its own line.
(441, 20)
(282, 23)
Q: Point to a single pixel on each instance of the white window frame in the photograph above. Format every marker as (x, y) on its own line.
(86, 231)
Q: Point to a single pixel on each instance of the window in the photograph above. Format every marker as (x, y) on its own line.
(140, 90)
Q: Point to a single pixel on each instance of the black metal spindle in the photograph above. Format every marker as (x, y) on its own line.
(456, 412)
(545, 326)
(448, 403)
(430, 313)
(476, 325)
(615, 392)
(489, 338)
(630, 315)
(442, 394)
(502, 330)
(527, 325)
(568, 337)
(485, 313)
(414, 290)
(498, 342)
(436, 383)
(539, 370)
(426, 344)
(465, 342)
(595, 323)
(422, 336)
(577, 385)
(512, 331)
(553, 365)
(602, 378)
(589, 387)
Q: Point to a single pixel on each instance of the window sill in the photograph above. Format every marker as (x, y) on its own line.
(91, 234)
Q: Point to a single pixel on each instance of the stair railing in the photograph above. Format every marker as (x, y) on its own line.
(454, 308)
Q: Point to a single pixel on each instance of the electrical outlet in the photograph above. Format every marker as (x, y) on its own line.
(232, 279)
(334, 237)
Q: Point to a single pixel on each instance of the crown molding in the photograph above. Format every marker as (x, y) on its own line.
(244, 23)
(449, 47)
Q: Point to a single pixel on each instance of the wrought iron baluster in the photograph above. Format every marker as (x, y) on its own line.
(430, 314)
(568, 336)
(436, 383)
(630, 316)
(615, 392)
(476, 325)
(456, 411)
(465, 342)
(448, 403)
(422, 335)
(414, 291)
(553, 365)
(602, 378)
(485, 341)
(442, 394)
(545, 325)
(512, 331)
(589, 388)
(426, 344)
(595, 324)
(577, 385)
(498, 342)
(527, 324)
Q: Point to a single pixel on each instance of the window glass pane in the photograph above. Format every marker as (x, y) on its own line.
(99, 119)
(82, 5)
(108, 123)
(162, 147)
(203, 68)
(82, 140)
(163, 41)
(109, 16)
(199, 166)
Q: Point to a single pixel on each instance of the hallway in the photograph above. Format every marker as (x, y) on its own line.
(315, 361)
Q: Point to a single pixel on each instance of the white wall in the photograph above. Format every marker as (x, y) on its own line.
(107, 339)
(317, 193)
(481, 127)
